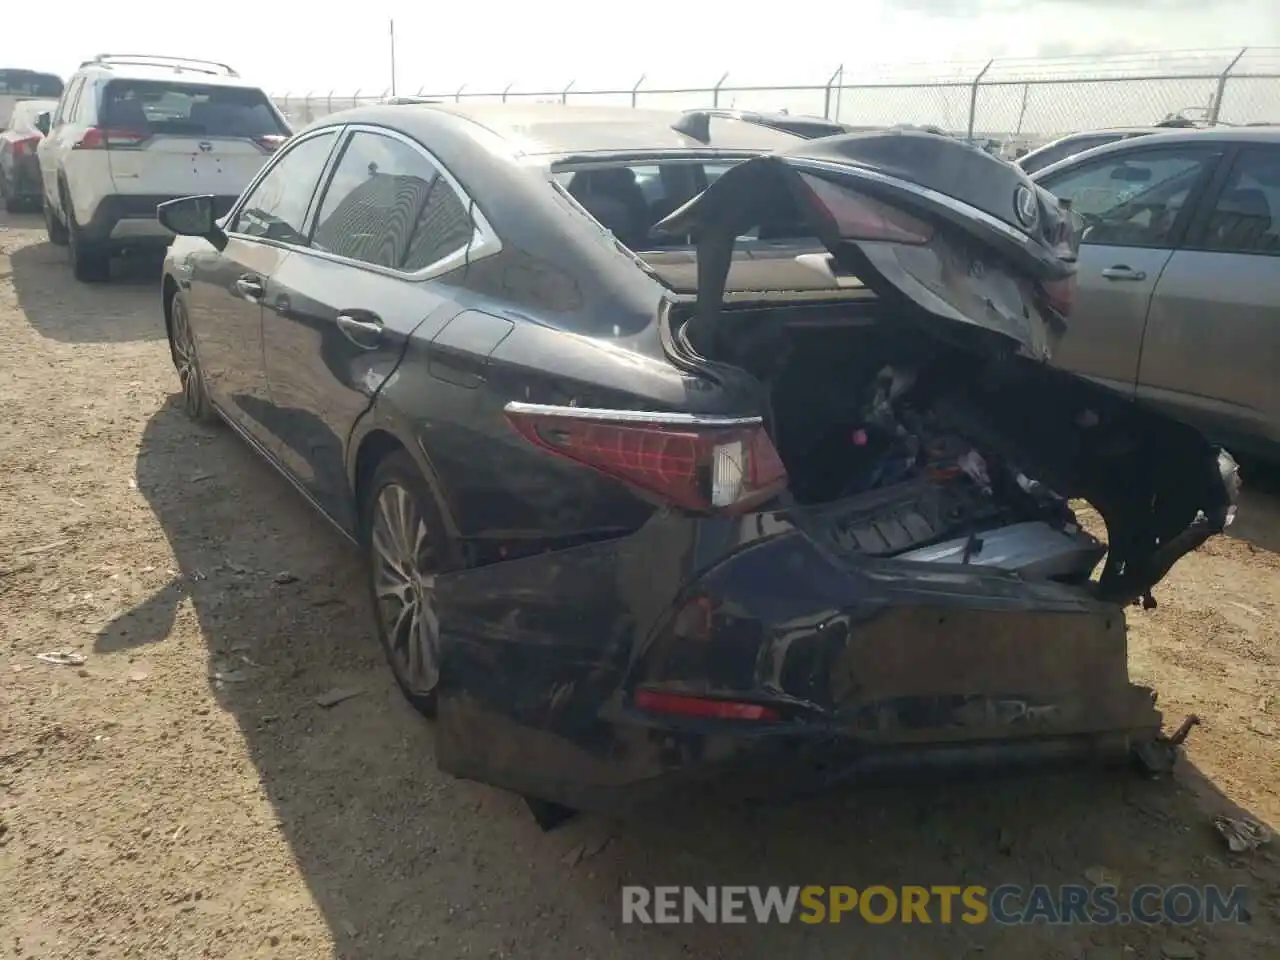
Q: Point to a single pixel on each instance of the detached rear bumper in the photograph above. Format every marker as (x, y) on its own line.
(861, 667)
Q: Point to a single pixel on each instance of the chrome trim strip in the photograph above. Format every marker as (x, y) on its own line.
(630, 416)
(924, 193)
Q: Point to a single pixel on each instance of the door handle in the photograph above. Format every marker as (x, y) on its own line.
(1122, 272)
(364, 333)
(250, 286)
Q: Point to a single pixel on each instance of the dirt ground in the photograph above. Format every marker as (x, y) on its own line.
(182, 794)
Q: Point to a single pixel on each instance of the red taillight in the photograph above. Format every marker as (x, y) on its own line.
(27, 146)
(858, 217)
(699, 463)
(1061, 294)
(684, 705)
(270, 143)
(110, 138)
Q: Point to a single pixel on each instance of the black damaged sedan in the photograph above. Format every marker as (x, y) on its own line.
(681, 448)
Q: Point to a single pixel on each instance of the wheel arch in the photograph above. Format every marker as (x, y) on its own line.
(168, 292)
(62, 190)
(375, 437)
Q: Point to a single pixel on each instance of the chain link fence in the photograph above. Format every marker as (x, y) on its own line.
(1013, 102)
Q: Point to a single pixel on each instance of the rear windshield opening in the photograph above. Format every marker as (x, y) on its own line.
(629, 198)
(183, 109)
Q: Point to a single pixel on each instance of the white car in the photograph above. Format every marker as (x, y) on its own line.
(131, 132)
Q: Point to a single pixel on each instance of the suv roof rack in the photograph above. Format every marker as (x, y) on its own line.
(159, 60)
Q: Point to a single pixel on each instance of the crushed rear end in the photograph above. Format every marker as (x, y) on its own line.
(918, 592)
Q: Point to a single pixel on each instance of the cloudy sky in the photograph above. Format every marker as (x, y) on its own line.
(288, 45)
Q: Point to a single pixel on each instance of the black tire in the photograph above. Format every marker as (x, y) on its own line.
(13, 205)
(413, 654)
(182, 348)
(54, 227)
(90, 262)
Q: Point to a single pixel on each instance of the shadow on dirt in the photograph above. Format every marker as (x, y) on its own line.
(126, 309)
(404, 862)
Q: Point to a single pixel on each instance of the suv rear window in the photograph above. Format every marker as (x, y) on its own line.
(180, 109)
(28, 83)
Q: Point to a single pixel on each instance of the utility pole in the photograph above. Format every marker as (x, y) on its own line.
(393, 56)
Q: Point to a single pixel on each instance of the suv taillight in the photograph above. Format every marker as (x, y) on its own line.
(270, 143)
(721, 464)
(110, 138)
(27, 146)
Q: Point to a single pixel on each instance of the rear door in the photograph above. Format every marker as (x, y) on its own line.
(1210, 350)
(57, 144)
(389, 231)
(1136, 203)
(173, 139)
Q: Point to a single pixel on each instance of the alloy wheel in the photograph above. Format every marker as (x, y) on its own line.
(404, 587)
(184, 358)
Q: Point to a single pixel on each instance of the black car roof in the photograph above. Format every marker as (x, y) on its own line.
(542, 129)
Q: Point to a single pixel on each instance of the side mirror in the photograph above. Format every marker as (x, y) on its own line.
(43, 122)
(191, 217)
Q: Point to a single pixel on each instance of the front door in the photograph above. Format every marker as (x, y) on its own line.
(224, 303)
(1137, 203)
(229, 288)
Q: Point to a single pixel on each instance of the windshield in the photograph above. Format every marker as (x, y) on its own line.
(183, 109)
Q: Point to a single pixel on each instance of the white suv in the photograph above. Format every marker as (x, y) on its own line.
(133, 131)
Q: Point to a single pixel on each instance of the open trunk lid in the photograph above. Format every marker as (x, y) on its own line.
(964, 245)
(939, 229)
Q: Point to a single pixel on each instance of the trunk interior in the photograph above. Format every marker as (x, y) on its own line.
(901, 443)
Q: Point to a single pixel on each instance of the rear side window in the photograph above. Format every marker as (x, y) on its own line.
(185, 109)
(80, 110)
(1246, 216)
(63, 113)
(388, 205)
